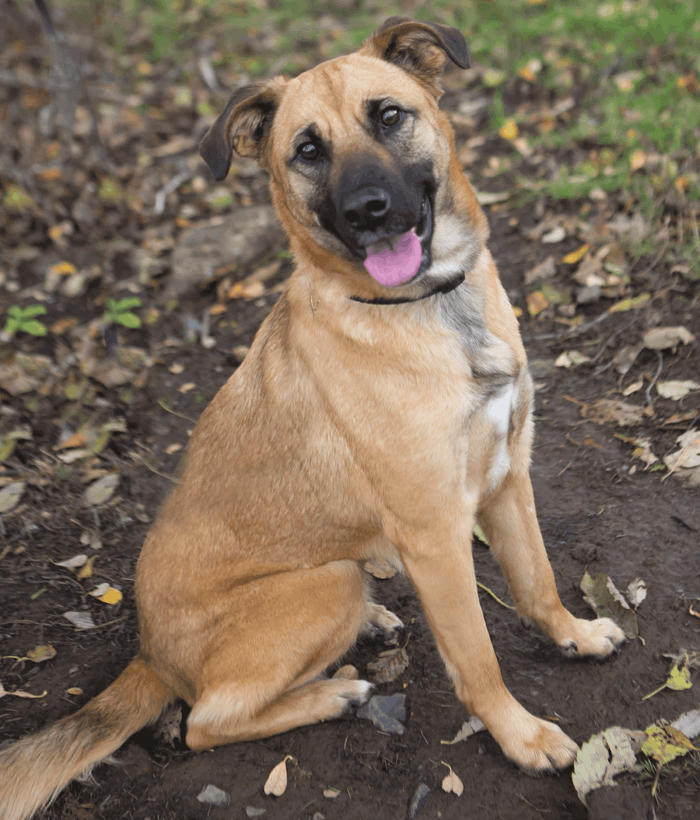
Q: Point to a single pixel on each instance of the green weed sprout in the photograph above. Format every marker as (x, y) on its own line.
(20, 318)
(118, 311)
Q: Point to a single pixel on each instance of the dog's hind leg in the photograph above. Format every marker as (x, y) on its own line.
(283, 631)
(510, 523)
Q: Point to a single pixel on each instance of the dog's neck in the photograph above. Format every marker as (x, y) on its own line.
(443, 287)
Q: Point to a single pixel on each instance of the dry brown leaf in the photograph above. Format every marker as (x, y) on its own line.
(4, 692)
(276, 782)
(451, 783)
(331, 793)
(185, 388)
(676, 389)
(74, 690)
(661, 338)
(613, 411)
(389, 665)
(542, 271)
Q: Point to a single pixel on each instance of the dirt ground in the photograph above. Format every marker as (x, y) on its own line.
(599, 509)
(595, 516)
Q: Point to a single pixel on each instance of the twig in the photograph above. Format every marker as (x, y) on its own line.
(494, 596)
(170, 186)
(656, 376)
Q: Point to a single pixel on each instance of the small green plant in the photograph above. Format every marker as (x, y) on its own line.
(20, 318)
(118, 311)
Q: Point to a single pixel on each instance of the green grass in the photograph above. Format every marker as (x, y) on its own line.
(637, 60)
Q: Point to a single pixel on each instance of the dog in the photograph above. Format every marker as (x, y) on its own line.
(384, 407)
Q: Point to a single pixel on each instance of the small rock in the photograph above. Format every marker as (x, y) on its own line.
(585, 296)
(418, 800)
(213, 796)
(386, 712)
(237, 239)
(252, 811)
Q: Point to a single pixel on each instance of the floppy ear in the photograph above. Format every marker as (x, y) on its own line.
(243, 126)
(419, 47)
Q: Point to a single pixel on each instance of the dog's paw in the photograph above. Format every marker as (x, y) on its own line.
(537, 746)
(592, 639)
(353, 692)
(380, 621)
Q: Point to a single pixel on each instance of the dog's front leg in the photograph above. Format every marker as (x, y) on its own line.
(510, 523)
(441, 569)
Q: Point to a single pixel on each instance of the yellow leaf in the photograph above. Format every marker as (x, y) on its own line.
(16, 694)
(86, 570)
(63, 269)
(112, 596)
(41, 653)
(664, 743)
(536, 302)
(74, 690)
(509, 131)
(517, 311)
(577, 255)
(638, 159)
(527, 74)
(276, 782)
(630, 304)
(679, 678)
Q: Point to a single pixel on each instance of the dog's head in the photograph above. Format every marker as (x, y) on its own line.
(363, 171)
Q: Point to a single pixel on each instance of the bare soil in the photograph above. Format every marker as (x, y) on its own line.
(596, 513)
(599, 509)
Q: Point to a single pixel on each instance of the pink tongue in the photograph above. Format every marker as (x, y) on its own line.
(391, 268)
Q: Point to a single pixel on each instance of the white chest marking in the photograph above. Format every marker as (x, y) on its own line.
(498, 411)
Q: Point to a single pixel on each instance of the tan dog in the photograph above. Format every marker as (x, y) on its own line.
(384, 407)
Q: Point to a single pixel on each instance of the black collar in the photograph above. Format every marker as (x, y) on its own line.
(445, 287)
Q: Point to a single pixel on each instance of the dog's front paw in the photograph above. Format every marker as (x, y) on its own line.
(537, 746)
(592, 639)
(380, 621)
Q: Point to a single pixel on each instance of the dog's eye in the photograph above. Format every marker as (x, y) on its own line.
(391, 116)
(309, 151)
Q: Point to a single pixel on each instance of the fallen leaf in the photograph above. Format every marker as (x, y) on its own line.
(451, 783)
(107, 594)
(542, 271)
(491, 198)
(688, 723)
(469, 727)
(101, 490)
(688, 457)
(9, 441)
(389, 665)
(509, 130)
(41, 653)
(10, 496)
(676, 389)
(632, 303)
(577, 255)
(664, 744)
(661, 338)
(557, 234)
(633, 387)
(86, 570)
(176, 368)
(642, 448)
(17, 694)
(624, 359)
(678, 679)
(606, 601)
(636, 592)
(604, 756)
(571, 358)
(74, 690)
(638, 159)
(169, 725)
(331, 794)
(611, 410)
(185, 388)
(81, 620)
(536, 302)
(276, 782)
(74, 562)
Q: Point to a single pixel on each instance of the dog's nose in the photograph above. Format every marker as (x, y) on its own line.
(366, 207)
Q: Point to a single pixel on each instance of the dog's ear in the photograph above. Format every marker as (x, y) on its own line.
(419, 47)
(243, 126)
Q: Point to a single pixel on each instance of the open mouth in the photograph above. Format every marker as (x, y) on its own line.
(398, 259)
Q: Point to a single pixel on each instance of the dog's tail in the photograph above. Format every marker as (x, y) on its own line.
(35, 769)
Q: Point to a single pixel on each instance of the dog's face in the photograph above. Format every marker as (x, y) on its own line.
(360, 160)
